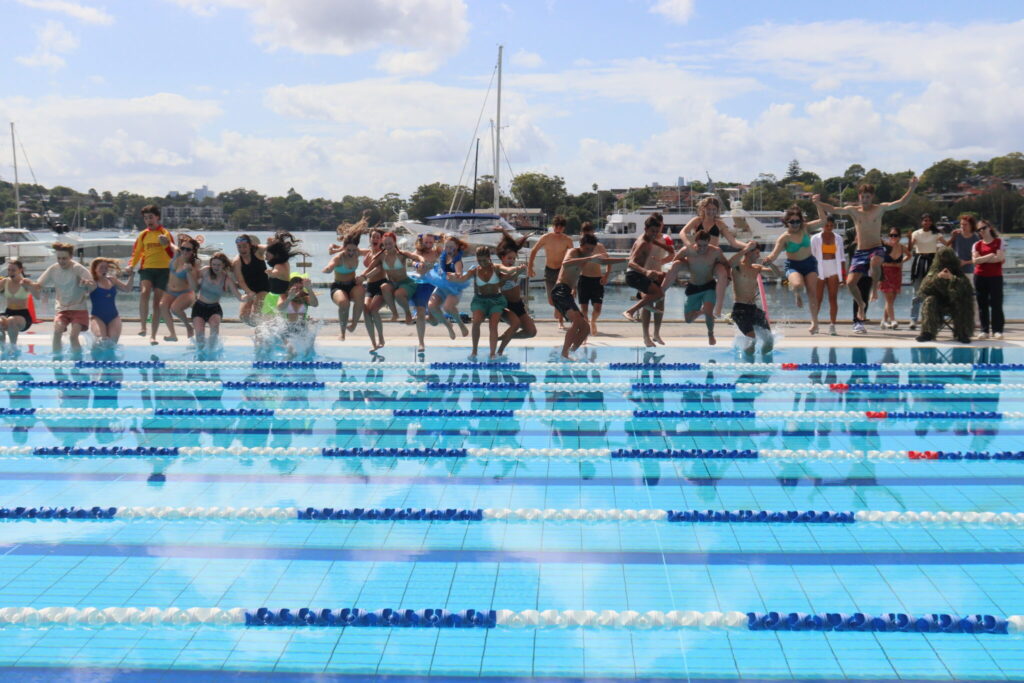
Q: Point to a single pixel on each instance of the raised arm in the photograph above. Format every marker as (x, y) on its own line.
(824, 208)
(779, 246)
(889, 206)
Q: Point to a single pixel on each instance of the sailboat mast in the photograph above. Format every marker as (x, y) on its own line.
(497, 140)
(17, 198)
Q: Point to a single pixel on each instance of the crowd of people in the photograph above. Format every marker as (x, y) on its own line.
(428, 283)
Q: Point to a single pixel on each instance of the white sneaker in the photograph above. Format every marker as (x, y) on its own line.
(894, 325)
(858, 328)
(832, 330)
(997, 335)
(913, 324)
(981, 335)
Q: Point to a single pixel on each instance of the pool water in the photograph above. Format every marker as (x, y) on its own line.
(513, 564)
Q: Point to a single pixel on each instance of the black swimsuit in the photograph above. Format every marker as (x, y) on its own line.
(255, 274)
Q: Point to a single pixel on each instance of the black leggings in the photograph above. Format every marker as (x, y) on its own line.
(989, 292)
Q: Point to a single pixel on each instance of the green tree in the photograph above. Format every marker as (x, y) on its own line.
(537, 190)
(793, 171)
(1008, 167)
(430, 200)
(854, 173)
(945, 175)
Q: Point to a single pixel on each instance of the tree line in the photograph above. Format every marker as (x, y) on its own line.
(246, 209)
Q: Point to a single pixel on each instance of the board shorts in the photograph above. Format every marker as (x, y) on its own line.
(861, 262)
(488, 305)
(748, 316)
(804, 266)
(589, 290)
(561, 297)
(551, 276)
(73, 318)
(22, 313)
(278, 286)
(638, 281)
(157, 276)
(828, 268)
(698, 295)
(409, 285)
(201, 309)
(374, 288)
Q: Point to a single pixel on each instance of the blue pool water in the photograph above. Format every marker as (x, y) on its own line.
(514, 565)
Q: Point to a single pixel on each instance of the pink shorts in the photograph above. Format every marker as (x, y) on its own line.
(69, 318)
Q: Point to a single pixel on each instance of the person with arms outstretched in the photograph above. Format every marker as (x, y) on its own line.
(561, 293)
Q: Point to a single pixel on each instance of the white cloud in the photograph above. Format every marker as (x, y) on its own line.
(420, 33)
(678, 11)
(52, 40)
(526, 60)
(75, 10)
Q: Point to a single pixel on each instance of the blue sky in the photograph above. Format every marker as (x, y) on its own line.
(337, 97)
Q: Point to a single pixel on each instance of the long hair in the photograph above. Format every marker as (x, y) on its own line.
(282, 249)
(188, 240)
(114, 264)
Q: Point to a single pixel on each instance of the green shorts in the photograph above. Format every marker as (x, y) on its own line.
(697, 296)
(409, 285)
(489, 305)
(157, 276)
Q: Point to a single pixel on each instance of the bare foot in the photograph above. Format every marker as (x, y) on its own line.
(409, 320)
(799, 301)
(352, 326)
(451, 333)
(421, 348)
(593, 329)
(341, 337)
(153, 342)
(874, 295)
(567, 357)
(168, 339)
(142, 332)
(711, 339)
(189, 331)
(464, 330)
(648, 343)
(658, 340)
(394, 317)
(813, 329)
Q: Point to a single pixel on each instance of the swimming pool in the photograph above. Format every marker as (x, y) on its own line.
(583, 489)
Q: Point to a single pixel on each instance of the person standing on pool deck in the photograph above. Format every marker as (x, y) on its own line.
(748, 317)
(989, 256)
(593, 278)
(801, 265)
(15, 289)
(251, 273)
(105, 321)
(709, 219)
(639, 275)
(962, 241)
(924, 242)
(892, 277)
(867, 222)
(830, 252)
(72, 282)
(561, 293)
(152, 257)
(555, 244)
(702, 260)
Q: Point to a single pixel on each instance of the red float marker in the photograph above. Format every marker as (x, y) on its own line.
(839, 388)
(789, 366)
(923, 455)
(876, 414)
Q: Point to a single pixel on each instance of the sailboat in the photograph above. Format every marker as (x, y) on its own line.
(474, 228)
(33, 248)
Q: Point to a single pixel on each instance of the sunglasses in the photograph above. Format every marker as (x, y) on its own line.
(795, 221)
(186, 249)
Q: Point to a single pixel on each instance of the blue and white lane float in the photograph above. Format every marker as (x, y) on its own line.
(570, 515)
(21, 364)
(629, 620)
(299, 452)
(518, 387)
(61, 412)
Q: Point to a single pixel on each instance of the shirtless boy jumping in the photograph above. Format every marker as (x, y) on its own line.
(645, 280)
(746, 314)
(561, 293)
(867, 221)
(702, 258)
(554, 244)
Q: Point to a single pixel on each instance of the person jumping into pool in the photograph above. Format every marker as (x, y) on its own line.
(708, 218)
(429, 252)
(646, 280)
(593, 278)
(867, 222)
(347, 290)
(151, 255)
(294, 305)
(105, 320)
(444, 302)
(375, 278)
(399, 286)
(211, 282)
(488, 301)
(72, 282)
(520, 323)
(15, 288)
(801, 265)
(280, 250)
(376, 240)
(561, 293)
(748, 317)
(179, 294)
(250, 271)
(702, 259)
(555, 244)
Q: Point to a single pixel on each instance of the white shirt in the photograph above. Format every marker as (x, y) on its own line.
(925, 242)
(71, 294)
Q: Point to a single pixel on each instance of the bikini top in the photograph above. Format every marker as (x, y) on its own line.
(298, 308)
(20, 295)
(793, 248)
(511, 283)
(828, 248)
(713, 230)
(181, 274)
(342, 269)
(493, 280)
(393, 265)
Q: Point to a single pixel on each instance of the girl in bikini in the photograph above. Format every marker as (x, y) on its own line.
(488, 300)
(520, 323)
(347, 291)
(105, 320)
(801, 266)
(179, 293)
(444, 276)
(280, 251)
(16, 318)
(708, 218)
(399, 285)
